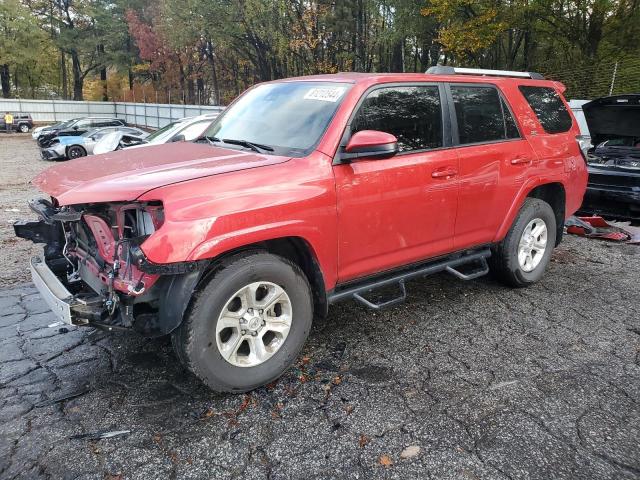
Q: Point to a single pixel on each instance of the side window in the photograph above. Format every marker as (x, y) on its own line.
(482, 115)
(510, 127)
(548, 107)
(412, 114)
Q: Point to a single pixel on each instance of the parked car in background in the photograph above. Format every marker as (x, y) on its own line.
(69, 147)
(614, 159)
(78, 127)
(22, 122)
(49, 128)
(303, 193)
(184, 129)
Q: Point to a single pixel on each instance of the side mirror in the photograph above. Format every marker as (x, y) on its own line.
(75, 128)
(370, 144)
(178, 138)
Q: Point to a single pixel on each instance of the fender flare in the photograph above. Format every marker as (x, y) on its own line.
(523, 193)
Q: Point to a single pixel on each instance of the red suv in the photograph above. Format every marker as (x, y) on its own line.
(305, 192)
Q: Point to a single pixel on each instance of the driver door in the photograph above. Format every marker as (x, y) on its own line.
(398, 210)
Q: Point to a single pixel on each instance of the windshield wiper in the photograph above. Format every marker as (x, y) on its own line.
(210, 140)
(256, 147)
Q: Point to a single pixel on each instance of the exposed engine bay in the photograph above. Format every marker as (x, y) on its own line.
(94, 251)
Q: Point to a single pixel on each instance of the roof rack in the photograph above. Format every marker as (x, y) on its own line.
(447, 70)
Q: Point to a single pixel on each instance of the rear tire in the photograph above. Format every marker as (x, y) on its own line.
(231, 344)
(522, 257)
(24, 128)
(76, 152)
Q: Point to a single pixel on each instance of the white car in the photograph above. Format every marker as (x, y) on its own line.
(184, 129)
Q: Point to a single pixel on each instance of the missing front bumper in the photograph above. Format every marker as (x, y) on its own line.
(68, 308)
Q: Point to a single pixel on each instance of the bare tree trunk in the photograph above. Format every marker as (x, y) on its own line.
(214, 75)
(78, 79)
(5, 79)
(64, 80)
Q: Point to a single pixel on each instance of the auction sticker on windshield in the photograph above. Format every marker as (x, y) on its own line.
(325, 94)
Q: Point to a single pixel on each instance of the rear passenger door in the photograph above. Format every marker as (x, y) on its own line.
(494, 160)
(402, 209)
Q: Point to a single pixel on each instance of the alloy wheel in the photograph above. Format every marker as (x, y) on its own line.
(253, 324)
(532, 245)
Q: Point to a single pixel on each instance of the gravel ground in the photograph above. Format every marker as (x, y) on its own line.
(465, 380)
(19, 163)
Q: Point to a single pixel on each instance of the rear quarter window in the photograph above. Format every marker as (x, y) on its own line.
(548, 107)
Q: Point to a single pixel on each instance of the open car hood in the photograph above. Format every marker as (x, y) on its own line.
(613, 117)
(126, 174)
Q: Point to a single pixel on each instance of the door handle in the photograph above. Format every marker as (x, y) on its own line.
(520, 161)
(446, 172)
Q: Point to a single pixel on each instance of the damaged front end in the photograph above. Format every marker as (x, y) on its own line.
(93, 271)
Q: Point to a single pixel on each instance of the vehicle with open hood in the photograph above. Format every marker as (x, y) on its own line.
(302, 193)
(181, 130)
(77, 127)
(614, 159)
(75, 146)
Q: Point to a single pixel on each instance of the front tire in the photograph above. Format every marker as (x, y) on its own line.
(76, 152)
(248, 323)
(522, 257)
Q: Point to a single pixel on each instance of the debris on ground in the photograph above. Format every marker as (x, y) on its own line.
(410, 452)
(99, 435)
(598, 227)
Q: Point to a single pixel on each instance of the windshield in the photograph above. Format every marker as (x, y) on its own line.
(166, 132)
(62, 125)
(289, 117)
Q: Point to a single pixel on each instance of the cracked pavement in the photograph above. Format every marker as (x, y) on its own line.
(487, 381)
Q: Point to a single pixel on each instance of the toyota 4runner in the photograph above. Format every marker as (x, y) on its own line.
(305, 192)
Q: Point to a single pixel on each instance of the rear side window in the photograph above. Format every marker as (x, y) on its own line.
(413, 114)
(482, 115)
(548, 107)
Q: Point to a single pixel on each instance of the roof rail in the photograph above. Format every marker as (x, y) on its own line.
(447, 70)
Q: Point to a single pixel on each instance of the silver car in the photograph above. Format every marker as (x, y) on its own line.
(69, 147)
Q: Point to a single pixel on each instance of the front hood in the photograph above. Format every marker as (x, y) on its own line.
(613, 117)
(124, 175)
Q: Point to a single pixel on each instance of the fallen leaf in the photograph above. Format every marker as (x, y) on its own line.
(337, 381)
(363, 440)
(305, 360)
(208, 413)
(113, 476)
(385, 461)
(348, 409)
(410, 452)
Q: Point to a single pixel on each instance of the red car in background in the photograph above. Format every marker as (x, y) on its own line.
(305, 192)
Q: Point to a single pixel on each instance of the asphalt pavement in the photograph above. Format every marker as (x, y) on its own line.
(466, 380)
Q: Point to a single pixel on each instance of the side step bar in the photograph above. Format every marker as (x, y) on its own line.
(450, 265)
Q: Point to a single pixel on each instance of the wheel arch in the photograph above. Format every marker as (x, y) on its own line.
(555, 195)
(553, 192)
(295, 249)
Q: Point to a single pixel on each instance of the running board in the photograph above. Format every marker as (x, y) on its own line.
(450, 265)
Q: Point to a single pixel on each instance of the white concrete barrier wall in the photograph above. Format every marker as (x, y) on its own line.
(151, 115)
